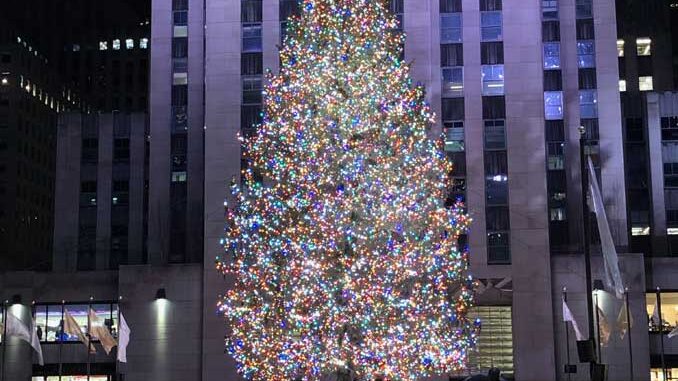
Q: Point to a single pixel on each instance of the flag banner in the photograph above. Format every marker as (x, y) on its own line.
(604, 327)
(624, 321)
(655, 320)
(123, 339)
(567, 316)
(72, 328)
(16, 328)
(35, 343)
(98, 330)
(673, 333)
(613, 278)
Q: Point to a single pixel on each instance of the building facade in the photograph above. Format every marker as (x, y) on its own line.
(511, 82)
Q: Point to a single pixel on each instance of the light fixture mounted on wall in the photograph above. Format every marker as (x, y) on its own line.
(161, 294)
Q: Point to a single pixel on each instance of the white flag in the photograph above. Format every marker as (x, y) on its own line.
(35, 343)
(613, 277)
(123, 339)
(673, 333)
(567, 316)
(72, 328)
(655, 317)
(15, 327)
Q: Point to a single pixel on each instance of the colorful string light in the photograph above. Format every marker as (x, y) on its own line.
(345, 257)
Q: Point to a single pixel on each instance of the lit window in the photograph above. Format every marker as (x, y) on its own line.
(645, 84)
(251, 38)
(4, 81)
(558, 214)
(454, 137)
(103, 45)
(620, 48)
(129, 43)
(494, 347)
(180, 79)
(553, 105)
(179, 177)
(644, 46)
(640, 230)
(143, 43)
(180, 31)
(622, 85)
(586, 54)
(493, 79)
(453, 81)
(116, 44)
(552, 55)
(491, 26)
(76, 47)
(672, 231)
(450, 28)
(588, 104)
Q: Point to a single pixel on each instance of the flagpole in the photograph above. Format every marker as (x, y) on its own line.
(4, 338)
(89, 337)
(60, 332)
(628, 330)
(661, 330)
(600, 354)
(586, 233)
(567, 338)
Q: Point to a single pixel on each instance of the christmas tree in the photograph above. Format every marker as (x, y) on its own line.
(344, 258)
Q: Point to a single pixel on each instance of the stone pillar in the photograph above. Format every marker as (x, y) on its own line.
(18, 356)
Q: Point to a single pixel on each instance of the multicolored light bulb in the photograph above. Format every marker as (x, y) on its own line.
(345, 258)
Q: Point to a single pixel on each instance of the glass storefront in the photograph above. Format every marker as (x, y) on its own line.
(49, 318)
(658, 375)
(669, 311)
(495, 343)
(72, 378)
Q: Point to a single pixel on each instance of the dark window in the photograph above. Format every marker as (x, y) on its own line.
(90, 150)
(634, 130)
(550, 31)
(591, 127)
(178, 5)
(251, 64)
(587, 79)
(553, 80)
(250, 11)
(450, 6)
(584, 9)
(497, 218)
(251, 38)
(288, 8)
(490, 5)
(250, 116)
(396, 6)
(585, 30)
(555, 131)
(494, 108)
(498, 248)
(121, 150)
(495, 135)
(179, 95)
(645, 66)
(492, 53)
(452, 55)
(180, 47)
(453, 109)
(180, 17)
(496, 163)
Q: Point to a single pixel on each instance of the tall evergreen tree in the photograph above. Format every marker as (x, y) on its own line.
(345, 258)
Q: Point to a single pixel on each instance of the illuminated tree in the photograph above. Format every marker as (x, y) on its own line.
(345, 258)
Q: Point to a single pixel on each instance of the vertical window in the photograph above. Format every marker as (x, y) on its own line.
(103, 45)
(453, 81)
(143, 43)
(588, 104)
(251, 90)
(181, 18)
(450, 28)
(491, 26)
(450, 6)
(116, 44)
(584, 9)
(251, 11)
(549, 9)
(620, 48)
(551, 55)
(493, 79)
(553, 105)
(129, 43)
(491, 53)
(454, 136)
(495, 135)
(645, 83)
(251, 38)
(586, 54)
(179, 47)
(644, 46)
